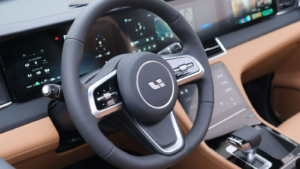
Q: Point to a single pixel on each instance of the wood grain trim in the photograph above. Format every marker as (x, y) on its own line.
(28, 141)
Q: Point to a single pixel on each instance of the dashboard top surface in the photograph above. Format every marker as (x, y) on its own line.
(33, 14)
(26, 10)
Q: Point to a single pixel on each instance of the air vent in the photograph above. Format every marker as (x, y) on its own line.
(213, 48)
(283, 4)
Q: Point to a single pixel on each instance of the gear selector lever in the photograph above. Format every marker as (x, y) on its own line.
(246, 139)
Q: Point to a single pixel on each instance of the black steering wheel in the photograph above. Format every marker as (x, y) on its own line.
(137, 92)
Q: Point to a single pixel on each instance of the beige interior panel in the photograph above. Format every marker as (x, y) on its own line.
(291, 126)
(52, 160)
(286, 102)
(28, 141)
(288, 74)
(270, 49)
(269, 65)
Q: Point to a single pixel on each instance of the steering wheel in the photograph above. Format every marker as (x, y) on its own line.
(137, 92)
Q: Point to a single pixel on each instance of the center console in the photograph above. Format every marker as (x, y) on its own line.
(235, 133)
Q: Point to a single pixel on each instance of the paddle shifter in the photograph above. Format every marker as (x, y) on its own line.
(246, 139)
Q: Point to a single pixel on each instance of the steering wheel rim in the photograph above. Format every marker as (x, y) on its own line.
(75, 92)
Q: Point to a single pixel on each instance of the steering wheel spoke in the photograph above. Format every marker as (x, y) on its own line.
(102, 89)
(163, 137)
(185, 67)
(104, 97)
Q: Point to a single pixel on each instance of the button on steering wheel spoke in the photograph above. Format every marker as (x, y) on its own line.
(103, 96)
(185, 67)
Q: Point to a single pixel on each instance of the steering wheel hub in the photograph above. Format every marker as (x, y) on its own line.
(150, 83)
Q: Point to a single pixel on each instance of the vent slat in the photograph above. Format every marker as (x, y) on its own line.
(283, 4)
(212, 48)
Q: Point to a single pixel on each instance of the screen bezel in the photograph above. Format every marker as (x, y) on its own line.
(220, 11)
(10, 70)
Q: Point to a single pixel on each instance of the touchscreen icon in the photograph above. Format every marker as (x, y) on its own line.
(47, 70)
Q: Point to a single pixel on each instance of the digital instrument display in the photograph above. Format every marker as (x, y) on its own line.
(147, 32)
(38, 60)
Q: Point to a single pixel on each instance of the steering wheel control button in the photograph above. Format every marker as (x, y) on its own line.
(186, 68)
(183, 66)
(149, 86)
(106, 95)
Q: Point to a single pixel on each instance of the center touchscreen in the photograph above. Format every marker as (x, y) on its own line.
(214, 17)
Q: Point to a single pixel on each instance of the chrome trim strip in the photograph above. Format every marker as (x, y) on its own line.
(191, 77)
(215, 125)
(296, 158)
(212, 48)
(5, 105)
(100, 113)
(138, 88)
(222, 47)
(176, 145)
(267, 164)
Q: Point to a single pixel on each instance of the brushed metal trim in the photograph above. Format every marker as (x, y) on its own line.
(100, 113)
(267, 164)
(286, 165)
(193, 76)
(222, 47)
(5, 105)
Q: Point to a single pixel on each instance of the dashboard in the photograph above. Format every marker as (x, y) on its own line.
(33, 60)
(133, 30)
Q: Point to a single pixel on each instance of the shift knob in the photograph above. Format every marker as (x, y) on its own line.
(246, 139)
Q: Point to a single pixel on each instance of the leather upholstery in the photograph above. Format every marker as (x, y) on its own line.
(28, 141)
(291, 127)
